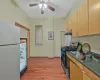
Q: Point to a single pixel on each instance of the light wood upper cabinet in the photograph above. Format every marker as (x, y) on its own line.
(83, 23)
(94, 16)
(74, 25)
(68, 26)
(75, 72)
(87, 20)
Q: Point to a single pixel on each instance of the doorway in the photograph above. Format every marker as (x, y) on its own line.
(62, 37)
(27, 35)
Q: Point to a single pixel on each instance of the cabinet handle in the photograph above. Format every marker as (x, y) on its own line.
(86, 73)
(82, 70)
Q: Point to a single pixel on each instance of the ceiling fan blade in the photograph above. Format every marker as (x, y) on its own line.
(35, 4)
(42, 11)
(51, 8)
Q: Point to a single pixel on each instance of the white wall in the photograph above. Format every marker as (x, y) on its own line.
(11, 13)
(76, 5)
(59, 26)
(23, 33)
(93, 40)
(50, 48)
(46, 49)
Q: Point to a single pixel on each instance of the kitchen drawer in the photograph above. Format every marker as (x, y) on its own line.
(90, 74)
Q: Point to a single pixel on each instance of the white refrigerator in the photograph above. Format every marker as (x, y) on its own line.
(9, 52)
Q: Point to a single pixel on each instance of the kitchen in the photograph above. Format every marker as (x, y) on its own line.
(82, 20)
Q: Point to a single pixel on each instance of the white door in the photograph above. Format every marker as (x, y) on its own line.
(62, 37)
(10, 62)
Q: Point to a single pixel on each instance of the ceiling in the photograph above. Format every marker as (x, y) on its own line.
(62, 7)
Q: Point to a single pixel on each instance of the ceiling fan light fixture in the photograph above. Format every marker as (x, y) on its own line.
(45, 5)
(40, 5)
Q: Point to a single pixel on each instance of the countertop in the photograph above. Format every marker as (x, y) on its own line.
(92, 65)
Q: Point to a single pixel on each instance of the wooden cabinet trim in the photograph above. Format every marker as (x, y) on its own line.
(28, 35)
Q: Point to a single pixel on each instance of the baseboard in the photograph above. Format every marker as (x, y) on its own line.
(38, 57)
(56, 57)
(43, 57)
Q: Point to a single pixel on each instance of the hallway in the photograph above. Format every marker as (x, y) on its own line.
(44, 69)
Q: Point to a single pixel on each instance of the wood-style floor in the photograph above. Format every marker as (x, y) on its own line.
(44, 69)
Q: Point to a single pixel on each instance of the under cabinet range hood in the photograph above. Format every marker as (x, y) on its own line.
(68, 38)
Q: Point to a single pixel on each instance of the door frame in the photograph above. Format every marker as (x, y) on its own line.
(61, 38)
(28, 35)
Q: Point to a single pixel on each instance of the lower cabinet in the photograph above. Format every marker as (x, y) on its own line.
(85, 77)
(79, 71)
(75, 72)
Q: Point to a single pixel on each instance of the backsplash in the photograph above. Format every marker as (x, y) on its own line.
(93, 40)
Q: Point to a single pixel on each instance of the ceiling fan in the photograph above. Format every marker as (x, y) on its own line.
(43, 4)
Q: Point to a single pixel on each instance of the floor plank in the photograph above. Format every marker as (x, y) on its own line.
(44, 69)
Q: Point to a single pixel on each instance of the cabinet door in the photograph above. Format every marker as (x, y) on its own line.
(74, 25)
(83, 23)
(94, 16)
(69, 27)
(75, 72)
(85, 77)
